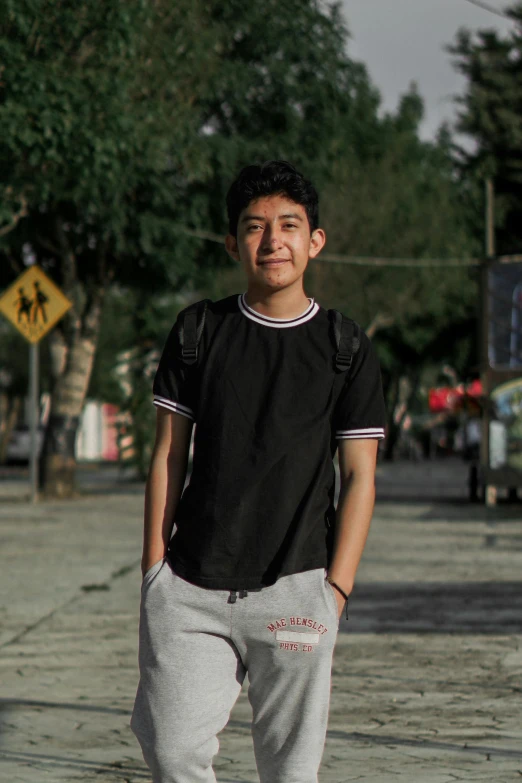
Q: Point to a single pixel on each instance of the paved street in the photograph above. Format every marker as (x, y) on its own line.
(427, 684)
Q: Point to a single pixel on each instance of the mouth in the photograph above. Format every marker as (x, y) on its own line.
(272, 263)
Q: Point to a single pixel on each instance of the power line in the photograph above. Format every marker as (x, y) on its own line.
(199, 233)
(382, 261)
(335, 258)
(486, 7)
(415, 262)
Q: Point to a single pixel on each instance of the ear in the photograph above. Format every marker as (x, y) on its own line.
(232, 247)
(317, 242)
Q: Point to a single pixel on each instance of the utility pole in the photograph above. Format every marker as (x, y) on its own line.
(490, 219)
(490, 489)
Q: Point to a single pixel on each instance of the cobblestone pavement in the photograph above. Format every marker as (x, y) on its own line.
(427, 683)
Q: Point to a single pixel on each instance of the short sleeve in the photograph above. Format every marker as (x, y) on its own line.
(360, 411)
(173, 386)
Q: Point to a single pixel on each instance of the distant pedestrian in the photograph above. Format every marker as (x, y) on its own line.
(40, 300)
(260, 565)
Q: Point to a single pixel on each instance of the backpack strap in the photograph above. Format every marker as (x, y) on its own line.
(347, 335)
(191, 329)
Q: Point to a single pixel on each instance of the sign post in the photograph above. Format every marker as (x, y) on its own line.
(34, 383)
(34, 304)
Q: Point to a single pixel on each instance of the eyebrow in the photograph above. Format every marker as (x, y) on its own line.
(292, 215)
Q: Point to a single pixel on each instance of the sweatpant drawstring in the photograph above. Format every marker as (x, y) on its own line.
(232, 598)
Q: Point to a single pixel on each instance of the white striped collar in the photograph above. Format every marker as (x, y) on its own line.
(278, 323)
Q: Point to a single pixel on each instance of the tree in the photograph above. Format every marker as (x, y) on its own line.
(491, 115)
(401, 199)
(123, 121)
(392, 194)
(284, 88)
(95, 136)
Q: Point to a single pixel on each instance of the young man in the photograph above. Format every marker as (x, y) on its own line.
(255, 577)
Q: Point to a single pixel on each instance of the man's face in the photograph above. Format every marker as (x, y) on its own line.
(274, 243)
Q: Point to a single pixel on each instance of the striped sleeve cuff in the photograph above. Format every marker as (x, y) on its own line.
(367, 432)
(175, 407)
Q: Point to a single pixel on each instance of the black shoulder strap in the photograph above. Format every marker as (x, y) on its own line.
(347, 334)
(191, 330)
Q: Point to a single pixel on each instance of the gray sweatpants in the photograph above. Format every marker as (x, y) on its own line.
(195, 649)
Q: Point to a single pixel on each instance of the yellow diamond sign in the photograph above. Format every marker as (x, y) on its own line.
(34, 304)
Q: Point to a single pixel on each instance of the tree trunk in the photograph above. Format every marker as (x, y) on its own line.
(58, 464)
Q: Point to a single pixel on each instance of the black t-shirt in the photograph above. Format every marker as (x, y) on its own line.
(269, 407)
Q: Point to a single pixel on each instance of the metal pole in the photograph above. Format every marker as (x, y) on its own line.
(490, 219)
(490, 489)
(34, 402)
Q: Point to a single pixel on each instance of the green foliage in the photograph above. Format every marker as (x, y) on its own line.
(122, 121)
(99, 126)
(283, 87)
(491, 114)
(401, 202)
(95, 132)
(397, 197)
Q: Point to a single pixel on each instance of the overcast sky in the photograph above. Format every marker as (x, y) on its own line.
(402, 41)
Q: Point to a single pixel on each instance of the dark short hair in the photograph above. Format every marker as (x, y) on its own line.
(275, 177)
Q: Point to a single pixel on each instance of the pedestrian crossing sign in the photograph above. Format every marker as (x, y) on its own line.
(34, 304)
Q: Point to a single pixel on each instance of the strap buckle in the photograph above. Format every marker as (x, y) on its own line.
(189, 355)
(344, 360)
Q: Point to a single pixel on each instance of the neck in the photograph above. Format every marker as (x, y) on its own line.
(284, 303)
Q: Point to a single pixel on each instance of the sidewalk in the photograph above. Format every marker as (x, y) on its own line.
(427, 674)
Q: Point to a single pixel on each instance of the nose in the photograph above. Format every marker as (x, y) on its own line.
(271, 239)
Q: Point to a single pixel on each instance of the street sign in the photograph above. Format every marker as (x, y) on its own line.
(34, 304)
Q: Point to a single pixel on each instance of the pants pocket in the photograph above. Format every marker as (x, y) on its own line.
(151, 573)
(330, 597)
